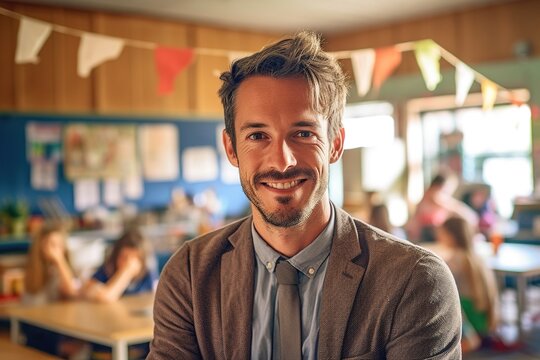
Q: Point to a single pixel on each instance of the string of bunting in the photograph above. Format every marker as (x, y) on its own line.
(371, 67)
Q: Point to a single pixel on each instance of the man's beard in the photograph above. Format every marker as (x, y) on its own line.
(283, 216)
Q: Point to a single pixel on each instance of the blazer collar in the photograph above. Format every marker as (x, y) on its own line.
(237, 292)
(346, 266)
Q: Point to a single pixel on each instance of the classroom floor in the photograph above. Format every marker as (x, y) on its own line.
(527, 350)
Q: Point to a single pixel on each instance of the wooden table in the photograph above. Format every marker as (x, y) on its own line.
(11, 351)
(521, 262)
(515, 260)
(119, 324)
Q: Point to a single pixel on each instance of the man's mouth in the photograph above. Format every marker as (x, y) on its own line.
(283, 185)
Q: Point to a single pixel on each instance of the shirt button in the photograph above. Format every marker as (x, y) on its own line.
(311, 271)
(269, 265)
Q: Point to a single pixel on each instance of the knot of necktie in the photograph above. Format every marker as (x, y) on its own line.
(286, 273)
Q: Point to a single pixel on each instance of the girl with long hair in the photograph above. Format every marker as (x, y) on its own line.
(476, 283)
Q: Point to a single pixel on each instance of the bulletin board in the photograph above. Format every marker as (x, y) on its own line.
(196, 139)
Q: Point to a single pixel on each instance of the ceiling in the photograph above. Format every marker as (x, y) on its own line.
(280, 16)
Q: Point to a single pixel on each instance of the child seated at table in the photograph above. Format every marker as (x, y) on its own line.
(475, 281)
(128, 270)
(49, 278)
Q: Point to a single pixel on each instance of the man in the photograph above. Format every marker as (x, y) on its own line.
(363, 293)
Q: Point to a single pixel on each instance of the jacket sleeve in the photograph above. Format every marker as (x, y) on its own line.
(427, 322)
(174, 331)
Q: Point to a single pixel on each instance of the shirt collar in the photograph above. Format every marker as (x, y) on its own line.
(308, 261)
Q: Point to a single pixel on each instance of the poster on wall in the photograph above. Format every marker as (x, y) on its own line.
(199, 164)
(100, 151)
(44, 152)
(158, 145)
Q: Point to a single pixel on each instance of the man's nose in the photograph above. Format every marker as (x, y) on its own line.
(281, 156)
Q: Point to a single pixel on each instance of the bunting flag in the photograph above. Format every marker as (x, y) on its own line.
(363, 62)
(464, 81)
(489, 94)
(386, 61)
(169, 62)
(95, 49)
(428, 56)
(30, 39)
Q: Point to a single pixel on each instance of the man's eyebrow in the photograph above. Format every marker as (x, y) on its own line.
(307, 123)
(253, 125)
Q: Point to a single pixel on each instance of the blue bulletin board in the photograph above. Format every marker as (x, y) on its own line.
(15, 167)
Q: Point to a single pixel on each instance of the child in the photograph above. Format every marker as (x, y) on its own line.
(476, 283)
(49, 278)
(126, 270)
(48, 275)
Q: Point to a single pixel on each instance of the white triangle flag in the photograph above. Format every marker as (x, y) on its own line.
(96, 49)
(363, 62)
(30, 39)
(464, 80)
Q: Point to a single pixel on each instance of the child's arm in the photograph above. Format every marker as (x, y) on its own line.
(68, 285)
(113, 289)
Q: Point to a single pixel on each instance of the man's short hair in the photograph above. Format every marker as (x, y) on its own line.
(299, 56)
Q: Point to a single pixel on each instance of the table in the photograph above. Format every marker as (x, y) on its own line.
(519, 261)
(119, 324)
(11, 351)
(516, 260)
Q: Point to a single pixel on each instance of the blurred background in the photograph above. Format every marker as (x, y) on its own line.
(110, 134)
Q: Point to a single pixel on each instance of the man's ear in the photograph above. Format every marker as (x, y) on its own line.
(337, 146)
(229, 148)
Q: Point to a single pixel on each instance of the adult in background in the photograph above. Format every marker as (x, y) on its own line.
(435, 207)
(300, 278)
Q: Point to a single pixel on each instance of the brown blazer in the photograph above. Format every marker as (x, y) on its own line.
(382, 298)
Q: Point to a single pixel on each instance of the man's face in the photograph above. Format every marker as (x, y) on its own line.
(282, 149)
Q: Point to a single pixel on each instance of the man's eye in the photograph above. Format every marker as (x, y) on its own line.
(256, 136)
(304, 134)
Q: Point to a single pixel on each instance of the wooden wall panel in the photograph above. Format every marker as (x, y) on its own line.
(72, 93)
(114, 78)
(208, 68)
(35, 83)
(8, 39)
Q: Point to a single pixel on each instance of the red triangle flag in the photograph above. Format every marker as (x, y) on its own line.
(169, 62)
(386, 61)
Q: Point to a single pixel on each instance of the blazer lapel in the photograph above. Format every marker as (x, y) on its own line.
(343, 276)
(237, 271)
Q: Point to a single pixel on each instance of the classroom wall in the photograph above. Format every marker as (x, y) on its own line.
(15, 168)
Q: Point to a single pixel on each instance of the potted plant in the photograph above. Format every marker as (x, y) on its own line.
(16, 214)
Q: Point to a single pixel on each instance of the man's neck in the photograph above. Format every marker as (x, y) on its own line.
(289, 241)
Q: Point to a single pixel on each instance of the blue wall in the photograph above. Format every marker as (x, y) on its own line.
(15, 168)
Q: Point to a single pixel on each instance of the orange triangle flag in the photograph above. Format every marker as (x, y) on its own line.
(170, 62)
(386, 61)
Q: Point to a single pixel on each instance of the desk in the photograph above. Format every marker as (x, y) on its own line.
(516, 260)
(520, 261)
(119, 324)
(11, 351)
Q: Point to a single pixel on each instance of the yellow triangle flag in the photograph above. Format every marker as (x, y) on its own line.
(489, 94)
(428, 55)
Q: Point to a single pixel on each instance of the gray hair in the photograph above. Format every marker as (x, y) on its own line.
(299, 56)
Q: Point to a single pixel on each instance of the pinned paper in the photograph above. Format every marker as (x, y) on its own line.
(30, 39)
(229, 173)
(199, 164)
(44, 175)
(363, 62)
(158, 146)
(428, 56)
(386, 61)
(464, 80)
(86, 194)
(96, 49)
(170, 62)
(112, 192)
(133, 187)
(489, 94)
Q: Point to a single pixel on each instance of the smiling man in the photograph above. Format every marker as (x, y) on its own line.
(300, 278)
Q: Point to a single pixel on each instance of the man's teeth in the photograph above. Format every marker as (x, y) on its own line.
(281, 185)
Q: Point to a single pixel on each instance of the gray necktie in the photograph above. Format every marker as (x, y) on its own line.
(290, 329)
